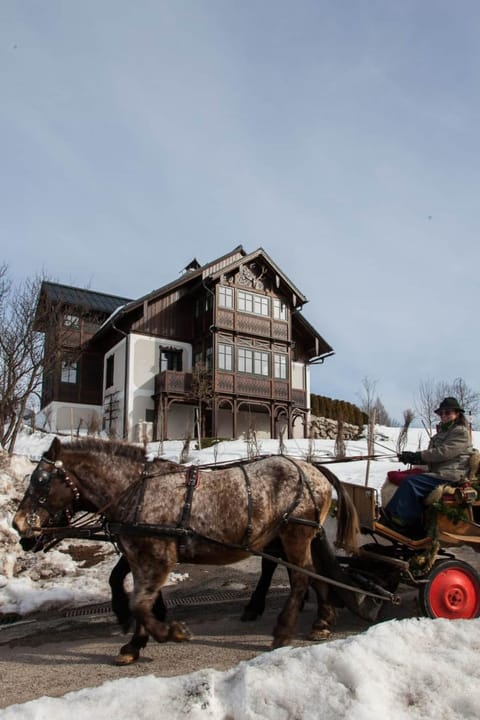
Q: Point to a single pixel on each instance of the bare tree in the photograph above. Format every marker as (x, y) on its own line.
(469, 399)
(383, 418)
(23, 363)
(21, 354)
(426, 403)
(432, 393)
(367, 395)
(202, 393)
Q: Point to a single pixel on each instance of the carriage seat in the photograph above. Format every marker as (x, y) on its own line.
(462, 493)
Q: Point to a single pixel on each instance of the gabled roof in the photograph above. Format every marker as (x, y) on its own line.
(213, 270)
(80, 298)
(321, 346)
(190, 274)
(260, 253)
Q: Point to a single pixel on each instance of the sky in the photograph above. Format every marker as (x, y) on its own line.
(342, 137)
(394, 669)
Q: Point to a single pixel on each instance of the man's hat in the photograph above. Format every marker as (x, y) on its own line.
(450, 403)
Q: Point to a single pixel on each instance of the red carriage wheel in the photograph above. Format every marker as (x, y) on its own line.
(452, 591)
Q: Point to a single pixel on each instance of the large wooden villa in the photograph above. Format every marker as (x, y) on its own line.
(225, 344)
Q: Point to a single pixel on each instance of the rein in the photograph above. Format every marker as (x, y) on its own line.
(165, 532)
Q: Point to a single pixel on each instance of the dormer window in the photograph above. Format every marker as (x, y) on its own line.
(71, 321)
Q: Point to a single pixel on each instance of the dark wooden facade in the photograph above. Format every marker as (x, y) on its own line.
(69, 317)
(240, 315)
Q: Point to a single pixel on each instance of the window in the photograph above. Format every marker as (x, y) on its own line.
(245, 359)
(245, 301)
(253, 361)
(225, 357)
(280, 366)
(253, 303)
(171, 360)
(71, 321)
(261, 305)
(69, 372)
(149, 415)
(225, 296)
(279, 309)
(109, 371)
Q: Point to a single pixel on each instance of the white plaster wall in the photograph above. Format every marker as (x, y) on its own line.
(298, 376)
(66, 417)
(118, 387)
(144, 361)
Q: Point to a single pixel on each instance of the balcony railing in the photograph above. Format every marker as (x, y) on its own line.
(172, 381)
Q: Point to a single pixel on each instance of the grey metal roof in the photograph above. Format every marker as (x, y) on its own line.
(85, 299)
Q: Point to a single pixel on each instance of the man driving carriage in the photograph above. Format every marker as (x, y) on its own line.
(446, 460)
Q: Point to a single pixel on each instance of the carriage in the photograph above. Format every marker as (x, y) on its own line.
(448, 587)
(159, 513)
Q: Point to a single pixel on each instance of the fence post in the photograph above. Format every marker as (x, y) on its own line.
(370, 441)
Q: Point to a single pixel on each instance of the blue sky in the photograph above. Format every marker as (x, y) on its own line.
(342, 137)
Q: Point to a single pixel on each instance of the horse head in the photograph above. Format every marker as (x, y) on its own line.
(50, 500)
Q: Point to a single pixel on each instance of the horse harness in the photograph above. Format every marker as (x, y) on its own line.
(41, 480)
(183, 531)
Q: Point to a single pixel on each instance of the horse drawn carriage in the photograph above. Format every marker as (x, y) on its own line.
(160, 513)
(448, 587)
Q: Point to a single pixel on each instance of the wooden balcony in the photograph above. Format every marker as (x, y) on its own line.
(173, 382)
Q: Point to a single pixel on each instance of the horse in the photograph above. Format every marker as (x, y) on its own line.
(254, 608)
(216, 515)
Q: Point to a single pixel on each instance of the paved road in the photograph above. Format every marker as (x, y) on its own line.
(57, 655)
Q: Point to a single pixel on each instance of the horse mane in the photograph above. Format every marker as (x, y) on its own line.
(112, 447)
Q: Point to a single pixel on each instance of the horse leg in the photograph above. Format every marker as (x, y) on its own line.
(296, 542)
(119, 598)
(151, 565)
(326, 613)
(256, 605)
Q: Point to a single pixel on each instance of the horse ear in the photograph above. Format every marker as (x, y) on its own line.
(54, 450)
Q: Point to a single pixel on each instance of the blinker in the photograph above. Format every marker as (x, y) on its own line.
(42, 477)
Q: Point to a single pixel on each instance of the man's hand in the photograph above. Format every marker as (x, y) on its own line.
(410, 458)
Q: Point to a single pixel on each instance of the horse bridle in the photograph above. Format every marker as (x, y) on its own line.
(41, 480)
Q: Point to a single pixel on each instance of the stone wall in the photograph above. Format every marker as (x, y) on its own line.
(326, 429)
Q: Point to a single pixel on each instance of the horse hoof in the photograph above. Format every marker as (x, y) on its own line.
(179, 632)
(249, 615)
(127, 655)
(279, 642)
(318, 635)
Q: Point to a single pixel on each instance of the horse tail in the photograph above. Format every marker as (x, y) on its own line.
(348, 525)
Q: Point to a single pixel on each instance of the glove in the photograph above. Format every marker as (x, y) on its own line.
(410, 458)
